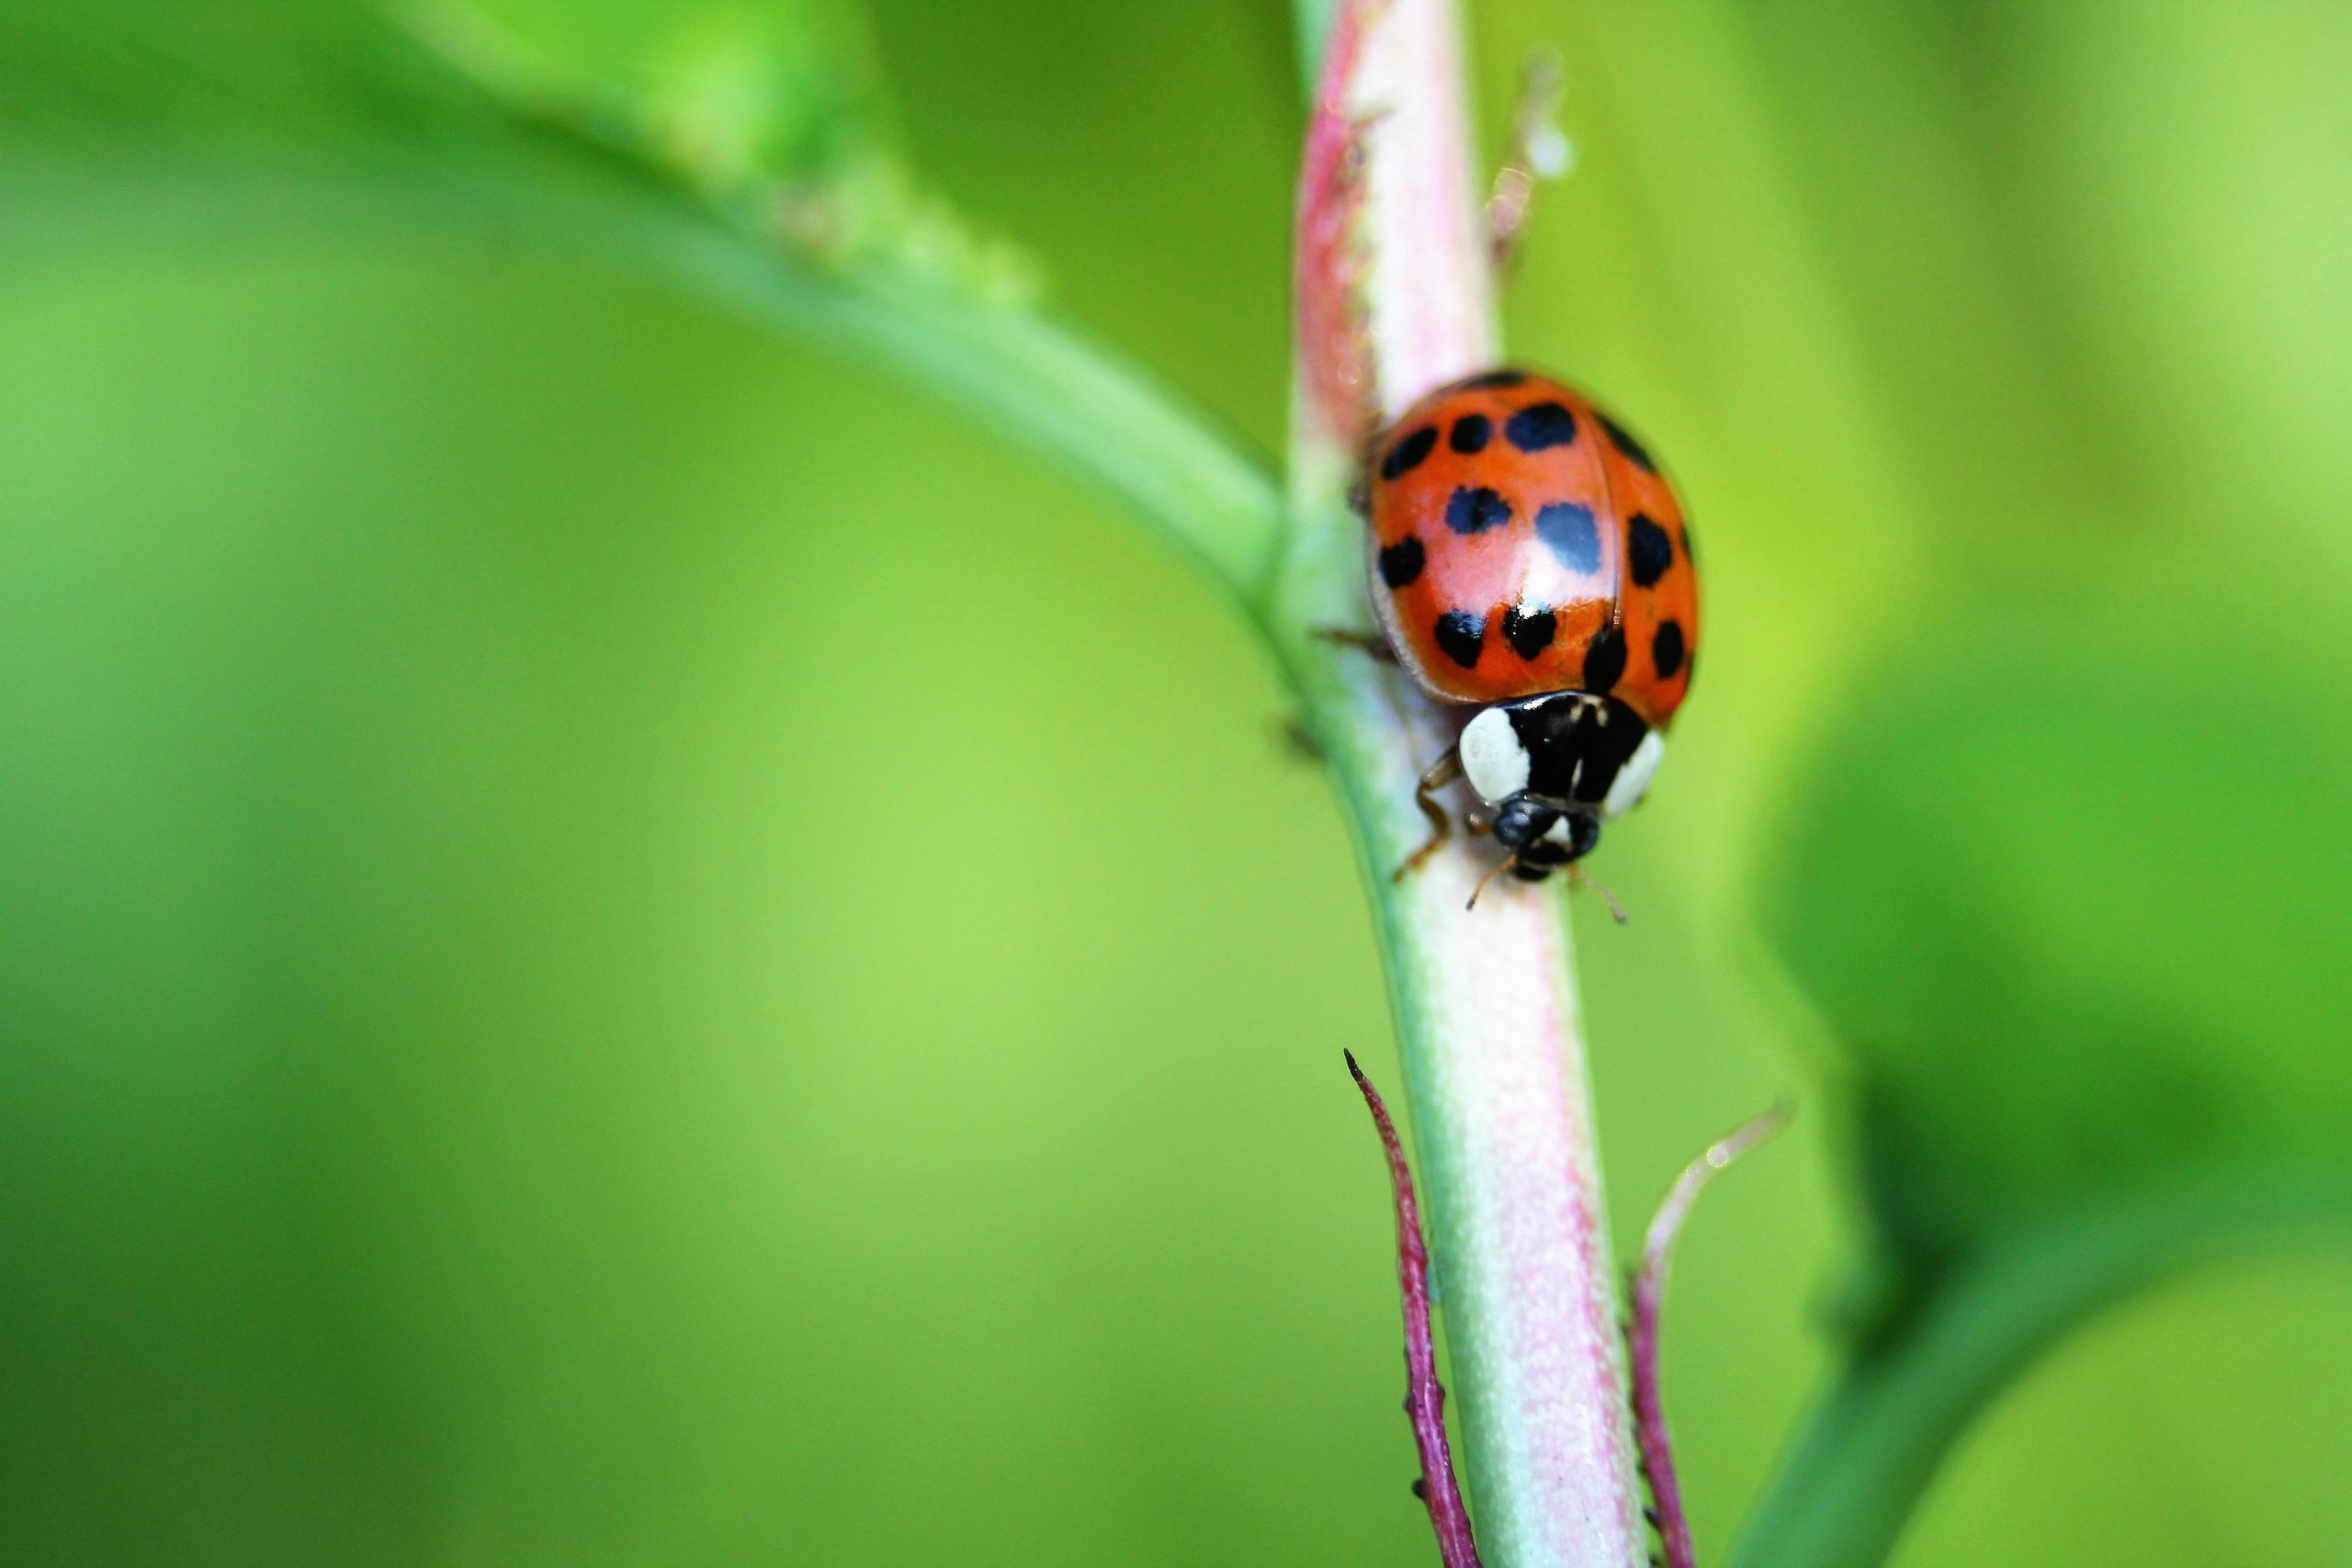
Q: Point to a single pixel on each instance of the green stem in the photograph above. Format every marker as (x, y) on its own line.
(1866, 1454)
(461, 150)
(1037, 382)
(1040, 384)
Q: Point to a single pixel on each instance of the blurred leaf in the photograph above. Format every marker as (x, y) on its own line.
(96, 78)
(135, 120)
(2103, 245)
(2053, 887)
(737, 89)
(2058, 887)
(2091, 977)
(775, 89)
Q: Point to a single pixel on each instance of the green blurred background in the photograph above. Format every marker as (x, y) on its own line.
(625, 944)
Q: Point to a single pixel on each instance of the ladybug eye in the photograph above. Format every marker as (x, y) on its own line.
(1522, 824)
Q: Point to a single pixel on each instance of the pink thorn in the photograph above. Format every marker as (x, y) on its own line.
(1424, 1395)
(1649, 1299)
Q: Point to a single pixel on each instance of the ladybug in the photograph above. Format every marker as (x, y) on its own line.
(1527, 555)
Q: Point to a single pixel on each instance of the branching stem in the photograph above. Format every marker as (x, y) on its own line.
(1485, 1001)
(1649, 1302)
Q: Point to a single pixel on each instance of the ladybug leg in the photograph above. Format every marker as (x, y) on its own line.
(1538, 152)
(1371, 644)
(1442, 771)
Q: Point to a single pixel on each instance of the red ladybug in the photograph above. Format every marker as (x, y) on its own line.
(1527, 555)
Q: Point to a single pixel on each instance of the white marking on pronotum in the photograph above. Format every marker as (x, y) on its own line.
(1633, 778)
(1492, 757)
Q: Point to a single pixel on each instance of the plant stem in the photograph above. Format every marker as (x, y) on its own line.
(1486, 1017)
(1503, 1116)
(1865, 1455)
(1040, 383)
(1424, 1395)
(1650, 1307)
(1395, 299)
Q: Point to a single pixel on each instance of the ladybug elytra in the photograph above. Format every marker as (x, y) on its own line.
(1527, 555)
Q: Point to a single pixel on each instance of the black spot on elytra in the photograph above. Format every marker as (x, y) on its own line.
(1635, 453)
(1462, 635)
(1471, 433)
(1568, 527)
(1604, 659)
(1540, 427)
(1666, 650)
(1530, 632)
(1475, 509)
(1493, 380)
(1402, 561)
(1648, 550)
(1409, 454)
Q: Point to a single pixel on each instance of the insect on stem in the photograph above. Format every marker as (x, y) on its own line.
(1424, 1395)
(1649, 1298)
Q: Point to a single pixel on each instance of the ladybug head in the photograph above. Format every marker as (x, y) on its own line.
(1543, 838)
(1554, 767)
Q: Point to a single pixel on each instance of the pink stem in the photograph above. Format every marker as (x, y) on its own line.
(1336, 372)
(1424, 1395)
(1394, 289)
(1649, 1300)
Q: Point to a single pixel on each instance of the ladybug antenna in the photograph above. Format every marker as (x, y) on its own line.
(1502, 866)
(1576, 875)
